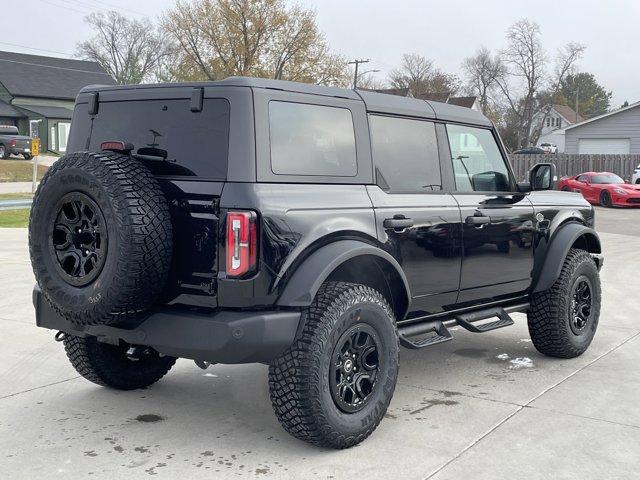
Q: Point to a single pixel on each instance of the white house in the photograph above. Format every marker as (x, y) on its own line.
(553, 128)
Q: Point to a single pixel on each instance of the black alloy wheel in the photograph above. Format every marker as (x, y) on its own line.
(581, 304)
(355, 368)
(605, 199)
(79, 239)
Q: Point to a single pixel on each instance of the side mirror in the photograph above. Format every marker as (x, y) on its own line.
(542, 176)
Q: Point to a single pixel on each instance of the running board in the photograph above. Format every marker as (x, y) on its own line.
(440, 335)
(467, 320)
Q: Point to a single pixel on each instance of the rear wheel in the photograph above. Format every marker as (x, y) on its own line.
(565, 189)
(27, 156)
(605, 199)
(332, 387)
(108, 365)
(3, 152)
(563, 319)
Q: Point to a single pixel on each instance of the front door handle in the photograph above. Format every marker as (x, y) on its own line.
(478, 220)
(398, 222)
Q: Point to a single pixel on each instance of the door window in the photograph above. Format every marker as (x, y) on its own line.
(405, 153)
(478, 164)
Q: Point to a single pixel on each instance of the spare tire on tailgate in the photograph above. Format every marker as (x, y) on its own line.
(100, 238)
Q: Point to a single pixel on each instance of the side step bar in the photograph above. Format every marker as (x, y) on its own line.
(466, 320)
(439, 333)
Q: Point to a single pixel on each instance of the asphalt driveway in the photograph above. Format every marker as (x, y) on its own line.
(483, 406)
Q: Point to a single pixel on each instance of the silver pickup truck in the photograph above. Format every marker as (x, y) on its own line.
(12, 143)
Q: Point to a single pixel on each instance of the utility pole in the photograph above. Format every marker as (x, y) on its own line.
(355, 75)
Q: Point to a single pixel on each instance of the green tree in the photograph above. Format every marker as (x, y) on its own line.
(593, 99)
(260, 38)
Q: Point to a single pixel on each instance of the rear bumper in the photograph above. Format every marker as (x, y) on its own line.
(19, 151)
(222, 337)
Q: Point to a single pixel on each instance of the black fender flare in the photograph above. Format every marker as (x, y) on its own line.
(560, 244)
(305, 282)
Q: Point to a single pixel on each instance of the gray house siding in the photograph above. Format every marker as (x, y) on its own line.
(623, 125)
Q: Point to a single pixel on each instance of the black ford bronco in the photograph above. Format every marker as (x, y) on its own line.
(314, 229)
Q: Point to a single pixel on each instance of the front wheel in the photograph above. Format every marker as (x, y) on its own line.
(605, 199)
(332, 387)
(4, 154)
(108, 365)
(563, 319)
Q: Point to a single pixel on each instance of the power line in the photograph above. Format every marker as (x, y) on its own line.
(64, 6)
(118, 7)
(355, 75)
(36, 49)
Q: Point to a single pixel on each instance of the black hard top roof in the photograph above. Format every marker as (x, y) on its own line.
(374, 102)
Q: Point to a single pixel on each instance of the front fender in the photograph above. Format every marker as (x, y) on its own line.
(309, 276)
(561, 242)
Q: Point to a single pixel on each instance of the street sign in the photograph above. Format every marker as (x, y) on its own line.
(35, 147)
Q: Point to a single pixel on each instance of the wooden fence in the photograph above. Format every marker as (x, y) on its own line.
(570, 165)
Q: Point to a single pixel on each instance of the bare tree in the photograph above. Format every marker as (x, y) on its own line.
(129, 50)
(263, 38)
(524, 82)
(482, 72)
(421, 77)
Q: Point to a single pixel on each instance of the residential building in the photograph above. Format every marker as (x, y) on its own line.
(553, 125)
(37, 94)
(616, 132)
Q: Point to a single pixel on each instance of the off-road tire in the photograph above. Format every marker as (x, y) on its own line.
(107, 365)
(299, 378)
(139, 234)
(605, 199)
(549, 315)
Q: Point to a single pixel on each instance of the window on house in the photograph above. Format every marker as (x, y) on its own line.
(548, 122)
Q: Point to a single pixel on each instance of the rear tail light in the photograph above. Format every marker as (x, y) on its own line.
(242, 243)
(12, 143)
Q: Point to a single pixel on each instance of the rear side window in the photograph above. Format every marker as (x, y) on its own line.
(405, 153)
(311, 140)
(170, 138)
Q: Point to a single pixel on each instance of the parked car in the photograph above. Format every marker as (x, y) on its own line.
(530, 151)
(549, 148)
(602, 188)
(635, 178)
(12, 143)
(310, 228)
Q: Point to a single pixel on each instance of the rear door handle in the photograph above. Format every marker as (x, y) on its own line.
(398, 222)
(478, 220)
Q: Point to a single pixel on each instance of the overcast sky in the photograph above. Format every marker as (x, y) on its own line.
(382, 30)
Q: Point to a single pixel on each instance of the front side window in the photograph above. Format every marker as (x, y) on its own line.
(405, 153)
(311, 140)
(478, 165)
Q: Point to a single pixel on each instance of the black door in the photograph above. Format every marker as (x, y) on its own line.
(417, 221)
(497, 223)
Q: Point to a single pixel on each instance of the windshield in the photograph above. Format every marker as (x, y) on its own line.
(606, 178)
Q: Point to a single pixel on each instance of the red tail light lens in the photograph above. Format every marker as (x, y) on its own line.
(242, 243)
(12, 143)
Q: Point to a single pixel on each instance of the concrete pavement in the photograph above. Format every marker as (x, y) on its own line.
(483, 406)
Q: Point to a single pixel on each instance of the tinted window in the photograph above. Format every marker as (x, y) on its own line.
(606, 178)
(174, 140)
(405, 153)
(477, 162)
(8, 130)
(311, 140)
(582, 178)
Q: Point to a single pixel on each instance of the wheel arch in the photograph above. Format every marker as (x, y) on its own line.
(567, 236)
(352, 261)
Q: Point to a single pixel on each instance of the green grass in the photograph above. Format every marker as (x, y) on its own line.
(19, 171)
(14, 218)
(15, 196)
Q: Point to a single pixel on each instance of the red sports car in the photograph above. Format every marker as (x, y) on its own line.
(602, 188)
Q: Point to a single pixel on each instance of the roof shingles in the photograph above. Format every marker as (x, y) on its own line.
(48, 77)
